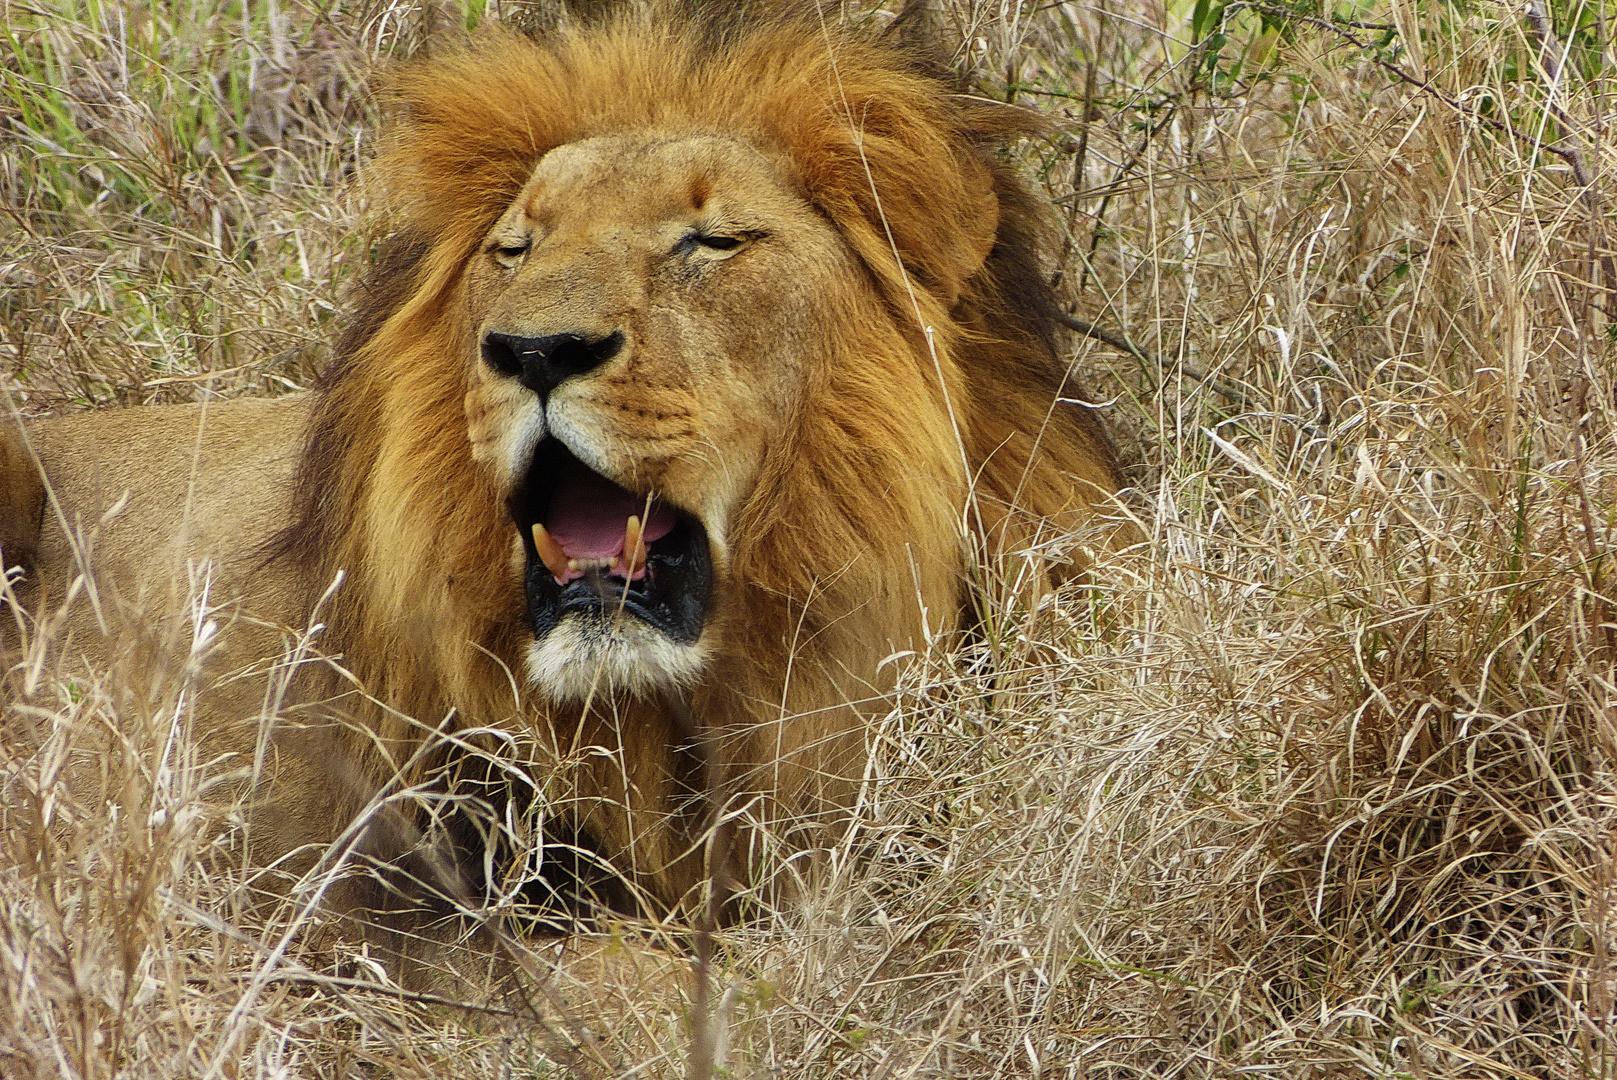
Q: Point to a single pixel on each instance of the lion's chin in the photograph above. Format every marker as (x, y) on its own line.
(589, 656)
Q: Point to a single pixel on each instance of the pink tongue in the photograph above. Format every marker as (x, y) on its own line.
(588, 514)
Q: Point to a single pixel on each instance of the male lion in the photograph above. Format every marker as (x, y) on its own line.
(709, 362)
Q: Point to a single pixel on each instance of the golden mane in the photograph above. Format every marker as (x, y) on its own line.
(901, 166)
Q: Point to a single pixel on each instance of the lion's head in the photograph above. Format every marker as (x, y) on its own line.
(704, 361)
(653, 312)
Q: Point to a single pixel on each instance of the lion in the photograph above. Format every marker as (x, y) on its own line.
(708, 371)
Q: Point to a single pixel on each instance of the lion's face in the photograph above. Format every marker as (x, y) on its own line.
(624, 396)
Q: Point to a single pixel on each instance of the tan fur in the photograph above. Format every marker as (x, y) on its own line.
(854, 403)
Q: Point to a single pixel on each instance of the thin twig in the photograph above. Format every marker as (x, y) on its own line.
(1122, 171)
(338, 982)
(703, 1062)
(1146, 356)
(1550, 53)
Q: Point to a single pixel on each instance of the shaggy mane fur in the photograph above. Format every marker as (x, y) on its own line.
(903, 168)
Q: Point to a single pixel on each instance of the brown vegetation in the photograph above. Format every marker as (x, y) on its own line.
(1335, 798)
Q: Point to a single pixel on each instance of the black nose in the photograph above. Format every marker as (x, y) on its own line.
(542, 363)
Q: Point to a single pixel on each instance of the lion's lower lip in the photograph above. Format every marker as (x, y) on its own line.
(671, 595)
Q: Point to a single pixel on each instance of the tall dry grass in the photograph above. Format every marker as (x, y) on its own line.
(1330, 790)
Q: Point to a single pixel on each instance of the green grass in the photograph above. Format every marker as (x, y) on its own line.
(172, 173)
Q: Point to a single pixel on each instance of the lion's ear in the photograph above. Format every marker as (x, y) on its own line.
(946, 236)
(989, 123)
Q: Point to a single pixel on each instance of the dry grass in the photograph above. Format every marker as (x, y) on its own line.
(1335, 798)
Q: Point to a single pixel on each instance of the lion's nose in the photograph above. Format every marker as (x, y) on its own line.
(542, 363)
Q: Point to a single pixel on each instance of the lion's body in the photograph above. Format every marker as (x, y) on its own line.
(22, 503)
(799, 315)
(170, 505)
(164, 464)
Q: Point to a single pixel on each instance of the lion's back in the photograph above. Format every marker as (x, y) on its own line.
(160, 500)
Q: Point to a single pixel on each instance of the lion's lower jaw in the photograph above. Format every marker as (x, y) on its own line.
(584, 658)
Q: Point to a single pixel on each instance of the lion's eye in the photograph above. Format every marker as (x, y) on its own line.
(712, 241)
(510, 254)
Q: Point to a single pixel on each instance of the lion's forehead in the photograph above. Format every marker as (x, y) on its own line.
(654, 173)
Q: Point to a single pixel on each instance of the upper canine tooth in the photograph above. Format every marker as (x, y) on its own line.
(634, 546)
(550, 552)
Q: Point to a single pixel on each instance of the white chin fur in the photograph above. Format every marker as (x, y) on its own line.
(590, 655)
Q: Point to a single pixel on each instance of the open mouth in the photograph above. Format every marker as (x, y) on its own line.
(599, 550)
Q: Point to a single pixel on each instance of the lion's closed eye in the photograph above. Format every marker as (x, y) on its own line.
(717, 243)
(509, 253)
